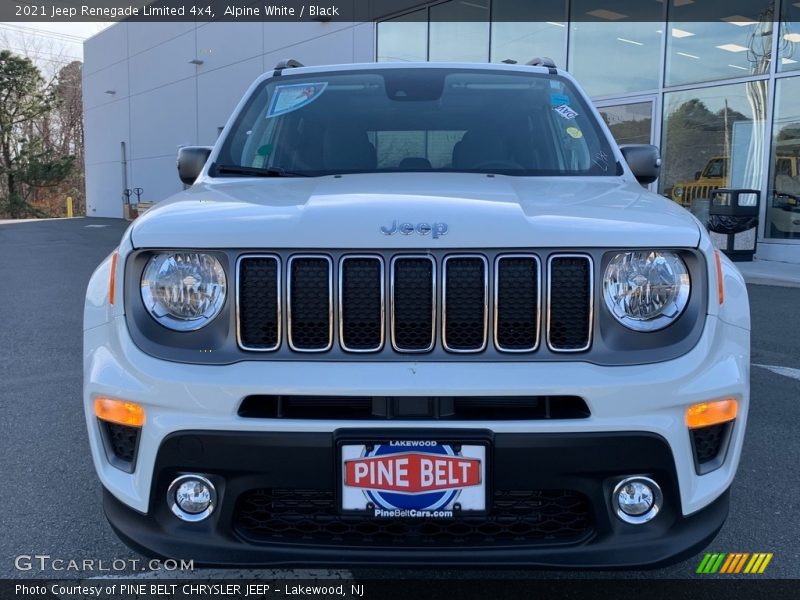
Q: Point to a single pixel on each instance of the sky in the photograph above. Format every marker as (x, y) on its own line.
(48, 43)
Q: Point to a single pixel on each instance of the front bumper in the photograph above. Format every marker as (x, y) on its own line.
(647, 402)
(557, 531)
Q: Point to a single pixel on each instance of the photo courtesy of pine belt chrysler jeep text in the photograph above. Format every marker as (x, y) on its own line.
(417, 314)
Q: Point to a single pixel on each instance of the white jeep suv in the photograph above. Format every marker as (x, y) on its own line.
(417, 314)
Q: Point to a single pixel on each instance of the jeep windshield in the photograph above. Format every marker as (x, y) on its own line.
(415, 120)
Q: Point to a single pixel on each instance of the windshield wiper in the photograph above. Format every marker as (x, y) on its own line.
(258, 171)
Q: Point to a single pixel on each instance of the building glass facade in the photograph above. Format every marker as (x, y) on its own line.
(695, 77)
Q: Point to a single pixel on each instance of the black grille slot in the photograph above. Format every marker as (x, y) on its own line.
(569, 326)
(517, 303)
(259, 304)
(413, 303)
(513, 408)
(122, 441)
(310, 300)
(361, 304)
(310, 516)
(458, 408)
(708, 442)
(306, 407)
(465, 303)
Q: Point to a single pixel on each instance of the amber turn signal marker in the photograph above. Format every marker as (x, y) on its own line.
(705, 414)
(112, 279)
(720, 280)
(121, 412)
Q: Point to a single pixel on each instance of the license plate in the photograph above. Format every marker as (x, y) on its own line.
(413, 479)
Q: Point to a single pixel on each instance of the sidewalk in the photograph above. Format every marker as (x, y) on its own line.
(770, 272)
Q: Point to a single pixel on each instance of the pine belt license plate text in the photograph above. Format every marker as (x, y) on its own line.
(413, 479)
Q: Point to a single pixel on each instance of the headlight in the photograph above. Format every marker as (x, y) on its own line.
(678, 191)
(183, 290)
(646, 290)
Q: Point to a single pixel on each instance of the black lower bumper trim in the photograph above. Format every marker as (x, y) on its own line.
(587, 464)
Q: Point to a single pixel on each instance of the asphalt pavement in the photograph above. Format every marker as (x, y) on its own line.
(50, 495)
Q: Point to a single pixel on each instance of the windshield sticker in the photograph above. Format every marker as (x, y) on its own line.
(559, 99)
(555, 84)
(574, 132)
(565, 111)
(291, 97)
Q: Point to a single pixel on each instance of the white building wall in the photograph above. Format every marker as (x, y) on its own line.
(140, 88)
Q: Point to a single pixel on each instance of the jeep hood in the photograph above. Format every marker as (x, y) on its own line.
(480, 211)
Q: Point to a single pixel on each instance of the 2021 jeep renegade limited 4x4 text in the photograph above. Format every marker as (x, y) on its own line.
(417, 313)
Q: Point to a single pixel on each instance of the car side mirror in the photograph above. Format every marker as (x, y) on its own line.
(696, 175)
(191, 160)
(644, 160)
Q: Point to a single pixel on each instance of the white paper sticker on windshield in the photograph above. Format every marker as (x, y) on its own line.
(565, 111)
(293, 96)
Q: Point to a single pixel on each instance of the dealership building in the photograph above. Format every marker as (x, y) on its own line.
(716, 85)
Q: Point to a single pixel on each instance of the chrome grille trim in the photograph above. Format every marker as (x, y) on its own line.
(591, 299)
(285, 341)
(289, 301)
(237, 287)
(538, 301)
(485, 302)
(380, 260)
(432, 260)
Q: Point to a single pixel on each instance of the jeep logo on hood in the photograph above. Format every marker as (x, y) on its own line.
(436, 230)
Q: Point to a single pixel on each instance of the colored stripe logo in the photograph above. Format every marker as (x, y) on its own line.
(734, 562)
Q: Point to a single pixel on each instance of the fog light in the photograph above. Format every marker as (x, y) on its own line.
(636, 500)
(191, 497)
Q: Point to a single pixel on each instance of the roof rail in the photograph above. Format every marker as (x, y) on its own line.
(543, 62)
(288, 63)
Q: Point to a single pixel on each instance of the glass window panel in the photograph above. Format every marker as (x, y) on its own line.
(783, 204)
(404, 39)
(524, 30)
(459, 31)
(629, 123)
(789, 42)
(713, 138)
(615, 45)
(710, 40)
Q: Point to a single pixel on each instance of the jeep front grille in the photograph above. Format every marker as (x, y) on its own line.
(464, 303)
(419, 302)
(361, 305)
(413, 303)
(517, 302)
(697, 192)
(310, 300)
(259, 305)
(569, 318)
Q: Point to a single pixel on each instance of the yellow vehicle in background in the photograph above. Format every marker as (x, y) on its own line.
(714, 175)
(785, 196)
